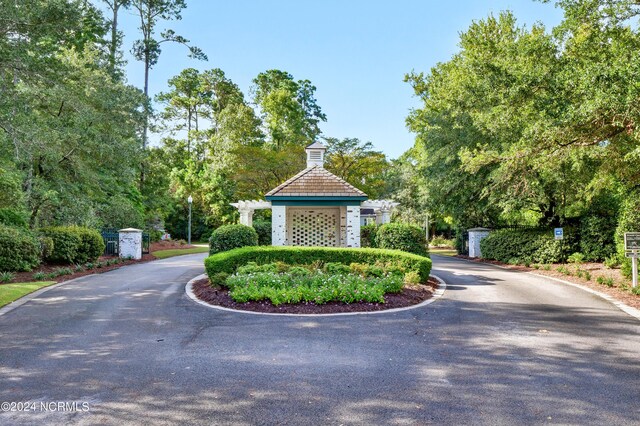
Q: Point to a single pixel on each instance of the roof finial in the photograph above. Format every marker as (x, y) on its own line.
(315, 154)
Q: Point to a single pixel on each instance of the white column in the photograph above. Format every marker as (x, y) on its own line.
(353, 226)
(278, 225)
(386, 215)
(379, 217)
(130, 243)
(246, 217)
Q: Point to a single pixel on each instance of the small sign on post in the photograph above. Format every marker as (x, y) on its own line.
(558, 233)
(632, 250)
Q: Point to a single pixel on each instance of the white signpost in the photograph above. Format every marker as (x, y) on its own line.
(632, 250)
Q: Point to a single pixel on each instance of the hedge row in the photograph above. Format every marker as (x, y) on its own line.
(395, 236)
(74, 244)
(522, 246)
(229, 261)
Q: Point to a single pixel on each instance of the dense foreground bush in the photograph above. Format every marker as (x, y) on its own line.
(400, 236)
(522, 246)
(19, 249)
(228, 237)
(229, 261)
(74, 244)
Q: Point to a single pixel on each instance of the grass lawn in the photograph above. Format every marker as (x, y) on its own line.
(443, 251)
(11, 292)
(163, 254)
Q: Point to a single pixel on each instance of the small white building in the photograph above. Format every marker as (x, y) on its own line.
(316, 207)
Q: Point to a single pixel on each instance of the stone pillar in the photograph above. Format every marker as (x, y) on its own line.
(279, 226)
(353, 226)
(475, 236)
(246, 217)
(130, 243)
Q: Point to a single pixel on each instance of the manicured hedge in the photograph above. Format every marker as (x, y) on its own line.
(19, 249)
(401, 236)
(228, 237)
(228, 261)
(74, 244)
(522, 246)
(263, 229)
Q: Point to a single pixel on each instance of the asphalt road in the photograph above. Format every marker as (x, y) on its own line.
(499, 347)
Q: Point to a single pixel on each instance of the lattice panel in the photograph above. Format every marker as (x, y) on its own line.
(315, 227)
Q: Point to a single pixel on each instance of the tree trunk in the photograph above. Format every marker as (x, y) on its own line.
(114, 37)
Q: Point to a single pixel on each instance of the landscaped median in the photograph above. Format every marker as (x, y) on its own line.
(315, 279)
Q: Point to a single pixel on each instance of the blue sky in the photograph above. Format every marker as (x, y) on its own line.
(355, 52)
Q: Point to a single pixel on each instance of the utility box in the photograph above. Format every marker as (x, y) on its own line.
(130, 243)
(475, 236)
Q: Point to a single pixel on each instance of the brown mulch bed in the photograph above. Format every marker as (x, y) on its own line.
(595, 269)
(23, 277)
(410, 295)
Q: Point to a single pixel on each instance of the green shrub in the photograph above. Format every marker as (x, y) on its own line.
(39, 276)
(74, 244)
(597, 237)
(263, 229)
(66, 243)
(92, 245)
(6, 277)
(527, 246)
(636, 290)
(608, 281)
(411, 278)
(400, 236)
(10, 217)
(368, 235)
(629, 221)
(62, 271)
(228, 237)
(337, 268)
(230, 261)
(577, 258)
(612, 261)
(316, 287)
(19, 249)
(46, 246)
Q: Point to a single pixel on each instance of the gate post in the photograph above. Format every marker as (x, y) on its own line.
(475, 236)
(130, 243)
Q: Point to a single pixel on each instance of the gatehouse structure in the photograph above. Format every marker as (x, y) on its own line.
(316, 207)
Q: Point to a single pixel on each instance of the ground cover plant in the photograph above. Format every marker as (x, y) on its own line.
(318, 283)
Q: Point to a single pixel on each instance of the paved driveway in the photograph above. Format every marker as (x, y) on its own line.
(499, 348)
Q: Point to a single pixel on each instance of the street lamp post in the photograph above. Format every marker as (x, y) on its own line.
(190, 200)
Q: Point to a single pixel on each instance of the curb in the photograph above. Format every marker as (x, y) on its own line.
(27, 297)
(436, 295)
(629, 310)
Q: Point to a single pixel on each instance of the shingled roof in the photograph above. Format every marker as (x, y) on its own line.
(315, 181)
